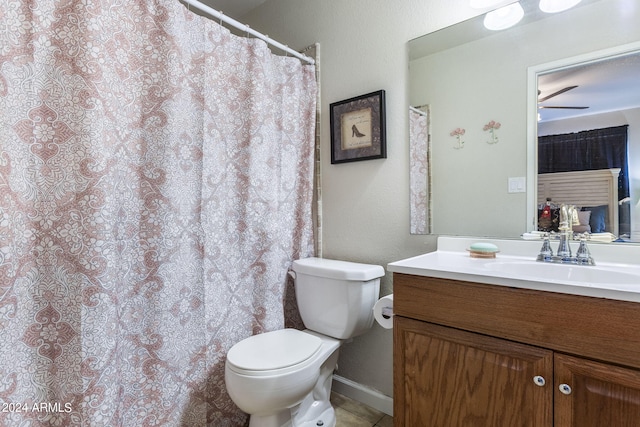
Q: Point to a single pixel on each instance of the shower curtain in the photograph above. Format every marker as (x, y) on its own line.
(155, 184)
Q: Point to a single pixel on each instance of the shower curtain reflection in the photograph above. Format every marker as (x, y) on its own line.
(420, 169)
(155, 183)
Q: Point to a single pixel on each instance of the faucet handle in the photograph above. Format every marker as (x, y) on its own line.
(546, 253)
(583, 255)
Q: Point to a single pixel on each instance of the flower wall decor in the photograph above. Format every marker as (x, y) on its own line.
(492, 127)
(458, 132)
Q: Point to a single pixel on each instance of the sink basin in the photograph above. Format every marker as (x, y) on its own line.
(616, 275)
(583, 275)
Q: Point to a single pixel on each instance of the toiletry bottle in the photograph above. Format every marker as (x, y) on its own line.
(546, 211)
(544, 222)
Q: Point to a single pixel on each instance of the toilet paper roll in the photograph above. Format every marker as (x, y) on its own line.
(383, 311)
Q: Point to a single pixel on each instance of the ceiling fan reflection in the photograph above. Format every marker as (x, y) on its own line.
(563, 90)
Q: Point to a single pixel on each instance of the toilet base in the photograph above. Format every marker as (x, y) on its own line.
(281, 419)
(314, 414)
(315, 410)
(319, 414)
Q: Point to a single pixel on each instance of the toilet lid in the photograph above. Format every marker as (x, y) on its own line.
(273, 350)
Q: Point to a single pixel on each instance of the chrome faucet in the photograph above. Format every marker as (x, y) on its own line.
(568, 218)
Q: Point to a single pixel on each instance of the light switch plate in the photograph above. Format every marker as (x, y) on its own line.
(517, 184)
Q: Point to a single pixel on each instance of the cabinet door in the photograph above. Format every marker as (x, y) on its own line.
(592, 394)
(446, 377)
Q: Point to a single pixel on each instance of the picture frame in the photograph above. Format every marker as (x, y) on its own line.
(358, 130)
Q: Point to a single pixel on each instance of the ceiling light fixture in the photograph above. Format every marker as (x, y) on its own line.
(555, 6)
(505, 17)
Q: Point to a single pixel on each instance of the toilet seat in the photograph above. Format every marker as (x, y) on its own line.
(275, 352)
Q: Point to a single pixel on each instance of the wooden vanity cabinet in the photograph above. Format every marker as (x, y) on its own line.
(456, 378)
(469, 354)
(600, 394)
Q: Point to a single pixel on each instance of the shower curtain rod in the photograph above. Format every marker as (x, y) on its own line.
(242, 27)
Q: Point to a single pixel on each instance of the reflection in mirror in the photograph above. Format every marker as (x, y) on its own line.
(420, 169)
(472, 80)
(588, 134)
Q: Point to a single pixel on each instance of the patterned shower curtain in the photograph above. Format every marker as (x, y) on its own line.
(155, 184)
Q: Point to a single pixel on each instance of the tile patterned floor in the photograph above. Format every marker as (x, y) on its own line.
(350, 413)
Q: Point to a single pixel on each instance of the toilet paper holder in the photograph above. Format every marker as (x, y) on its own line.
(383, 311)
(387, 312)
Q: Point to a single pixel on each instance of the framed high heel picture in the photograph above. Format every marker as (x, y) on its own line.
(358, 128)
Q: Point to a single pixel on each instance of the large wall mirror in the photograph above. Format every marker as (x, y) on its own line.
(484, 110)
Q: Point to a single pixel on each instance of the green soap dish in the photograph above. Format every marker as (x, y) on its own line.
(483, 250)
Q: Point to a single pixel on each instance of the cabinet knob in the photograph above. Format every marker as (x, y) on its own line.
(539, 380)
(565, 388)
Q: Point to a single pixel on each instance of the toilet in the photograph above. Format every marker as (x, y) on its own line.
(283, 378)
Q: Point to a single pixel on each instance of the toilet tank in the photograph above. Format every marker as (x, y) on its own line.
(336, 298)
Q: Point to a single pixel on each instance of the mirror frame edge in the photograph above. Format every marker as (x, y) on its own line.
(532, 107)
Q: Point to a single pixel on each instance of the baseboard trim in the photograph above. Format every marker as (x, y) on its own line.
(363, 394)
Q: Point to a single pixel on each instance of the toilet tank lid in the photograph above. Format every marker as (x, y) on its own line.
(339, 270)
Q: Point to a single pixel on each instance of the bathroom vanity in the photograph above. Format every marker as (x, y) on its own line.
(496, 348)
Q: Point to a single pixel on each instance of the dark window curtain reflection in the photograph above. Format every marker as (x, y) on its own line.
(587, 150)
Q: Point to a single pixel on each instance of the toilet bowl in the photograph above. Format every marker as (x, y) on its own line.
(269, 376)
(283, 378)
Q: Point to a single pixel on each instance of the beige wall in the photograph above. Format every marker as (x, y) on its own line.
(365, 204)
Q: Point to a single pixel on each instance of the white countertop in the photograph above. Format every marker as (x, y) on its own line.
(452, 261)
